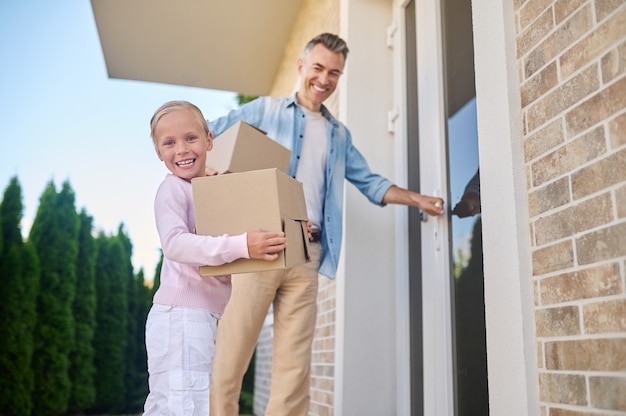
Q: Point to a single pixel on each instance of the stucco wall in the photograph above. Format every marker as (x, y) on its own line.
(314, 18)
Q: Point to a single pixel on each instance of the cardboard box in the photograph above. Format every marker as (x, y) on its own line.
(243, 147)
(239, 202)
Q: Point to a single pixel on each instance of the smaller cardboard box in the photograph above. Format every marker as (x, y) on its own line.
(243, 147)
(240, 202)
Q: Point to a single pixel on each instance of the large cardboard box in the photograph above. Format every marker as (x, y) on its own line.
(243, 147)
(239, 202)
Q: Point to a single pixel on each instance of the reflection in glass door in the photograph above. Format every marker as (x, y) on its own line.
(469, 346)
(470, 358)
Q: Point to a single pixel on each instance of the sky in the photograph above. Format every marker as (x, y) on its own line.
(463, 161)
(63, 119)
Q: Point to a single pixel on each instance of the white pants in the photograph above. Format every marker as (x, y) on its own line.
(180, 343)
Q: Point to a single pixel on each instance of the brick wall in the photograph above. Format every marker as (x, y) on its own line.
(572, 66)
(263, 370)
(323, 360)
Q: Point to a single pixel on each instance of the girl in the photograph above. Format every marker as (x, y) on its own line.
(182, 323)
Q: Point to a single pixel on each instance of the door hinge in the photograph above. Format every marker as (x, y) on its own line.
(391, 32)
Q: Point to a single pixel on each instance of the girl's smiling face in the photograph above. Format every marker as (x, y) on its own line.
(182, 143)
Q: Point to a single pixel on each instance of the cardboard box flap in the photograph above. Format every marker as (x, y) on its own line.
(296, 245)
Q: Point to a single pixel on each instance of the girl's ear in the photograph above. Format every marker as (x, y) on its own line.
(158, 153)
(209, 138)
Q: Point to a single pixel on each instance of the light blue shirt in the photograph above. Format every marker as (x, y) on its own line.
(283, 120)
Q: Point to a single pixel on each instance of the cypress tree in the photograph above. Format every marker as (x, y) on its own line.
(142, 300)
(132, 377)
(54, 235)
(2, 236)
(82, 369)
(144, 294)
(156, 281)
(110, 338)
(18, 291)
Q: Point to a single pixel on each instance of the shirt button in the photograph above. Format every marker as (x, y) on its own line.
(190, 382)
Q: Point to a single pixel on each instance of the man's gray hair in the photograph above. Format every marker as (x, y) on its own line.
(330, 41)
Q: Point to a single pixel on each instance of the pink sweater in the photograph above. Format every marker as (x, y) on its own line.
(184, 251)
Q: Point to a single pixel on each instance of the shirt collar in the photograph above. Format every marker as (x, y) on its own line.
(291, 101)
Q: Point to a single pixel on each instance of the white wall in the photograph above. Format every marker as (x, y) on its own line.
(366, 293)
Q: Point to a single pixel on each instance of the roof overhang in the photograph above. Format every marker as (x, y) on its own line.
(230, 45)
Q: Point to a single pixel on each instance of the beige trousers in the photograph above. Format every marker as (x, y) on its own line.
(293, 292)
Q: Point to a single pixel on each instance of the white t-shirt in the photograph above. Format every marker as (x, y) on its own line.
(312, 164)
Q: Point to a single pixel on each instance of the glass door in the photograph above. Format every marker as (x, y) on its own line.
(470, 357)
(467, 297)
(448, 351)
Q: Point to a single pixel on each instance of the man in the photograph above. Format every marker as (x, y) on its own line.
(322, 157)
(469, 205)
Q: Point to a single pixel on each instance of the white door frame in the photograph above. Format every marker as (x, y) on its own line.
(436, 300)
(438, 378)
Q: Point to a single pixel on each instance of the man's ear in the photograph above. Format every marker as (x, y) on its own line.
(300, 63)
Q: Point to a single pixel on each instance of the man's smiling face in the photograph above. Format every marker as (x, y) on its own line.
(319, 71)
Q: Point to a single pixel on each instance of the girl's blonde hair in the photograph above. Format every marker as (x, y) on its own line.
(170, 107)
